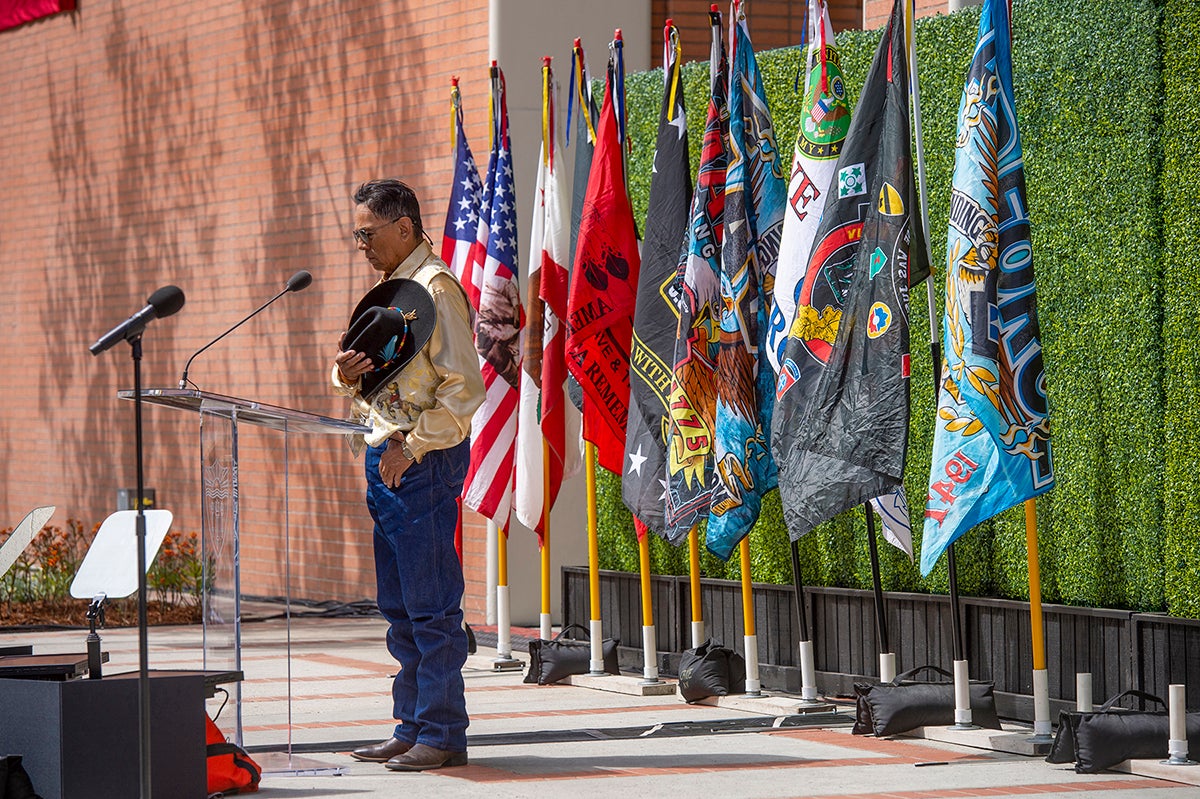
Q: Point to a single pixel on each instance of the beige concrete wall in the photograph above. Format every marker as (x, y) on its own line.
(520, 33)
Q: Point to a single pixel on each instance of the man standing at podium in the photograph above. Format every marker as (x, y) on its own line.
(418, 400)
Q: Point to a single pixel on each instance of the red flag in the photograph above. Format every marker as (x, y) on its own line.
(18, 12)
(603, 293)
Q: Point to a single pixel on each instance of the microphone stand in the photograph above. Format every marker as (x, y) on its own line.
(135, 344)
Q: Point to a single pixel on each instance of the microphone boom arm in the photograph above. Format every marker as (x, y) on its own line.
(297, 282)
(183, 378)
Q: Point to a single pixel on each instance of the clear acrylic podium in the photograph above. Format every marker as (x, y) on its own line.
(220, 417)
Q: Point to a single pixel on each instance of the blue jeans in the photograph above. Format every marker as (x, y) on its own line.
(420, 586)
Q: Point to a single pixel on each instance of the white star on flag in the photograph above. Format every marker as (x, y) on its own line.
(636, 459)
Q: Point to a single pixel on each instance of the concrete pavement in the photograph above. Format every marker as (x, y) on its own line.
(543, 741)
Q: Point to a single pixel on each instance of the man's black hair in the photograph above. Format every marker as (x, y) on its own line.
(389, 198)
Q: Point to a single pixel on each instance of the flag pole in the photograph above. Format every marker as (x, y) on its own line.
(808, 671)
(545, 548)
(649, 639)
(1041, 681)
(504, 659)
(503, 642)
(887, 658)
(962, 703)
(595, 628)
(753, 684)
(548, 142)
(694, 581)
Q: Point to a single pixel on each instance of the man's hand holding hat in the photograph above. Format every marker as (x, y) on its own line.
(390, 327)
(352, 365)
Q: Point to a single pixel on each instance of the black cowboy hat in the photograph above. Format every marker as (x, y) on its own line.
(391, 324)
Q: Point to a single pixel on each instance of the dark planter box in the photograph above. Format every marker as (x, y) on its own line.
(1121, 649)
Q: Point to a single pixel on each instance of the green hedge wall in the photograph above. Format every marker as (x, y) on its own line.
(1181, 309)
(1090, 88)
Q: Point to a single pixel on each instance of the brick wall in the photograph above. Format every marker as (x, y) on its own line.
(773, 23)
(875, 12)
(213, 146)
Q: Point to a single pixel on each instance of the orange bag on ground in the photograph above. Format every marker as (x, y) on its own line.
(230, 769)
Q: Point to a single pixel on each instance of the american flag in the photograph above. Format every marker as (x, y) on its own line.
(489, 484)
(472, 275)
(466, 195)
(820, 108)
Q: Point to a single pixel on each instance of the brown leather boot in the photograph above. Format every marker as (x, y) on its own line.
(382, 751)
(423, 758)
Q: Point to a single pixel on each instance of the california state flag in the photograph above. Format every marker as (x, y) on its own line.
(548, 441)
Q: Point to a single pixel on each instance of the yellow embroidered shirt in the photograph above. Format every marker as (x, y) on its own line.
(432, 399)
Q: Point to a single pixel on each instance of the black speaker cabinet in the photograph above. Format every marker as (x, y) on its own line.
(79, 738)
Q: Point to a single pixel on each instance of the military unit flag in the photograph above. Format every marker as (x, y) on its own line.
(991, 446)
(824, 120)
(643, 483)
(582, 106)
(693, 398)
(841, 423)
(604, 288)
(754, 199)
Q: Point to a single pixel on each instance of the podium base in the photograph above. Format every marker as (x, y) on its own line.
(281, 764)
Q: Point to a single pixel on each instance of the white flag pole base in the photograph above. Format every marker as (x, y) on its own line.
(649, 656)
(596, 631)
(698, 636)
(504, 659)
(962, 698)
(1177, 754)
(1177, 745)
(1083, 692)
(503, 633)
(546, 627)
(753, 684)
(493, 570)
(808, 674)
(887, 666)
(1042, 728)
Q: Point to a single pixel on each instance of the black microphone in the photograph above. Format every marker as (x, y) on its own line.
(164, 302)
(297, 282)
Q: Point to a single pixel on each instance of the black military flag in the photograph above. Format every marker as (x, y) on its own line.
(643, 483)
(841, 421)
